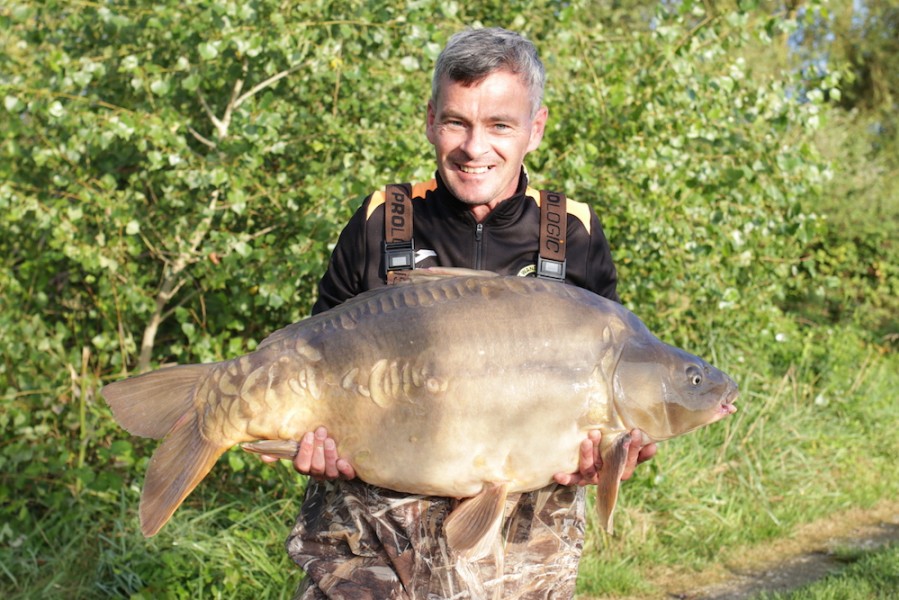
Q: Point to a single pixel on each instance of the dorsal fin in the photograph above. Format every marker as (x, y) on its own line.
(436, 273)
(408, 277)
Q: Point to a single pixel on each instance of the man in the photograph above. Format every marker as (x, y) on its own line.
(357, 541)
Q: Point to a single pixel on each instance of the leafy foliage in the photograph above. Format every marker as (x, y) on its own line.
(854, 262)
(173, 175)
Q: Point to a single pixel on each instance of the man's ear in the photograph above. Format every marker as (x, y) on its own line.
(429, 124)
(538, 126)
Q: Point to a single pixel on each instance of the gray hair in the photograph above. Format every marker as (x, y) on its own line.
(473, 54)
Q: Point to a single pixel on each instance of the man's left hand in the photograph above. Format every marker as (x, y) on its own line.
(590, 461)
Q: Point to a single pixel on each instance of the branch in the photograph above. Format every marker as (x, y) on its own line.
(219, 126)
(232, 103)
(173, 280)
(39, 92)
(222, 125)
(202, 139)
(267, 83)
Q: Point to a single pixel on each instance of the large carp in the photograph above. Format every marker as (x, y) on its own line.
(458, 383)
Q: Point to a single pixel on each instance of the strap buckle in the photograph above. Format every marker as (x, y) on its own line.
(548, 268)
(399, 256)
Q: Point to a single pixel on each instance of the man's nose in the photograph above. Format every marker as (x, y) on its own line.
(475, 143)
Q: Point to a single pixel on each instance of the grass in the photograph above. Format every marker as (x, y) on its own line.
(221, 545)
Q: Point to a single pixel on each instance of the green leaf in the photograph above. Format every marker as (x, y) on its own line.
(160, 87)
(208, 51)
(410, 63)
(13, 104)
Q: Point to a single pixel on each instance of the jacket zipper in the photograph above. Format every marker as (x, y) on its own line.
(479, 246)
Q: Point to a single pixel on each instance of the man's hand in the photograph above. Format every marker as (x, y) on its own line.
(591, 462)
(317, 457)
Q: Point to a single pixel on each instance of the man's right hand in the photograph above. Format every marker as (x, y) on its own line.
(317, 457)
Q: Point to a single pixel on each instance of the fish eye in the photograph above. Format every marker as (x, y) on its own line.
(695, 376)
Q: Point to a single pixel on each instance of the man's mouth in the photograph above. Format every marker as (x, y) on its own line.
(473, 170)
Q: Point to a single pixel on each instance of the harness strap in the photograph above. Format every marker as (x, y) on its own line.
(399, 247)
(553, 231)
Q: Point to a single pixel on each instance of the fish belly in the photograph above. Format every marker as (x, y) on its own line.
(471, 436)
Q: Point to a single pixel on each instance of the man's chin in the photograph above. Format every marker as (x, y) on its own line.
(472, 201)
(471, 195)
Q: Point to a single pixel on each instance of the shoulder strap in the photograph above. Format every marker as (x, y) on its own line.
(553, 230)
(399, 247)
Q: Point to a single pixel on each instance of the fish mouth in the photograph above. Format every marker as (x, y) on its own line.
(728, 406)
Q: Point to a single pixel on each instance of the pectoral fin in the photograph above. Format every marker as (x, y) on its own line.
(286, 449)
(614, 459)
(473, 528)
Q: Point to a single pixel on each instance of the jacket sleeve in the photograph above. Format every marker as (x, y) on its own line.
(345, 274)
(602, 277)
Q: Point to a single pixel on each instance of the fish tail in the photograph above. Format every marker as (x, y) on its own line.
(150, 405)
(161, 405)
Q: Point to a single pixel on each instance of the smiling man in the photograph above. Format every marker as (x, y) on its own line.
(481, 130)
(357, 541)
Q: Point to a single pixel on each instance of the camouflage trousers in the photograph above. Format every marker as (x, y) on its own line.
(360, 542)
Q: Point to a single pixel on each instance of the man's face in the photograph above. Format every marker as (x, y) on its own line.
(481, 134)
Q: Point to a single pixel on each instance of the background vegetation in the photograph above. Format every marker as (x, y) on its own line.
(172, 175)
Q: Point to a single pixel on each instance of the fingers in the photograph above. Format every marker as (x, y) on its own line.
(590, 460)
(345, 469)
(310, 459)
(647, 452)
(303, 462)
(317, 457)
(589, 463)
(317, 467)
(637, 453)
(595, 436)
(329, 456)
(633, 451)
(565, 478)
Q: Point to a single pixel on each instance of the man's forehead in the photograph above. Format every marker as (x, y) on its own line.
(443, 101)
(474, 80)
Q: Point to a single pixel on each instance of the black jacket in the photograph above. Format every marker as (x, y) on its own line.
(446, 234)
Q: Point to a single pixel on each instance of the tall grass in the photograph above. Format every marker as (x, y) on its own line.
(222, 545)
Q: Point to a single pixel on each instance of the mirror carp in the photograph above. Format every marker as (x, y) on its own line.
(457, 383)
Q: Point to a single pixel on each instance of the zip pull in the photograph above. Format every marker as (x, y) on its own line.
(479, 246)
